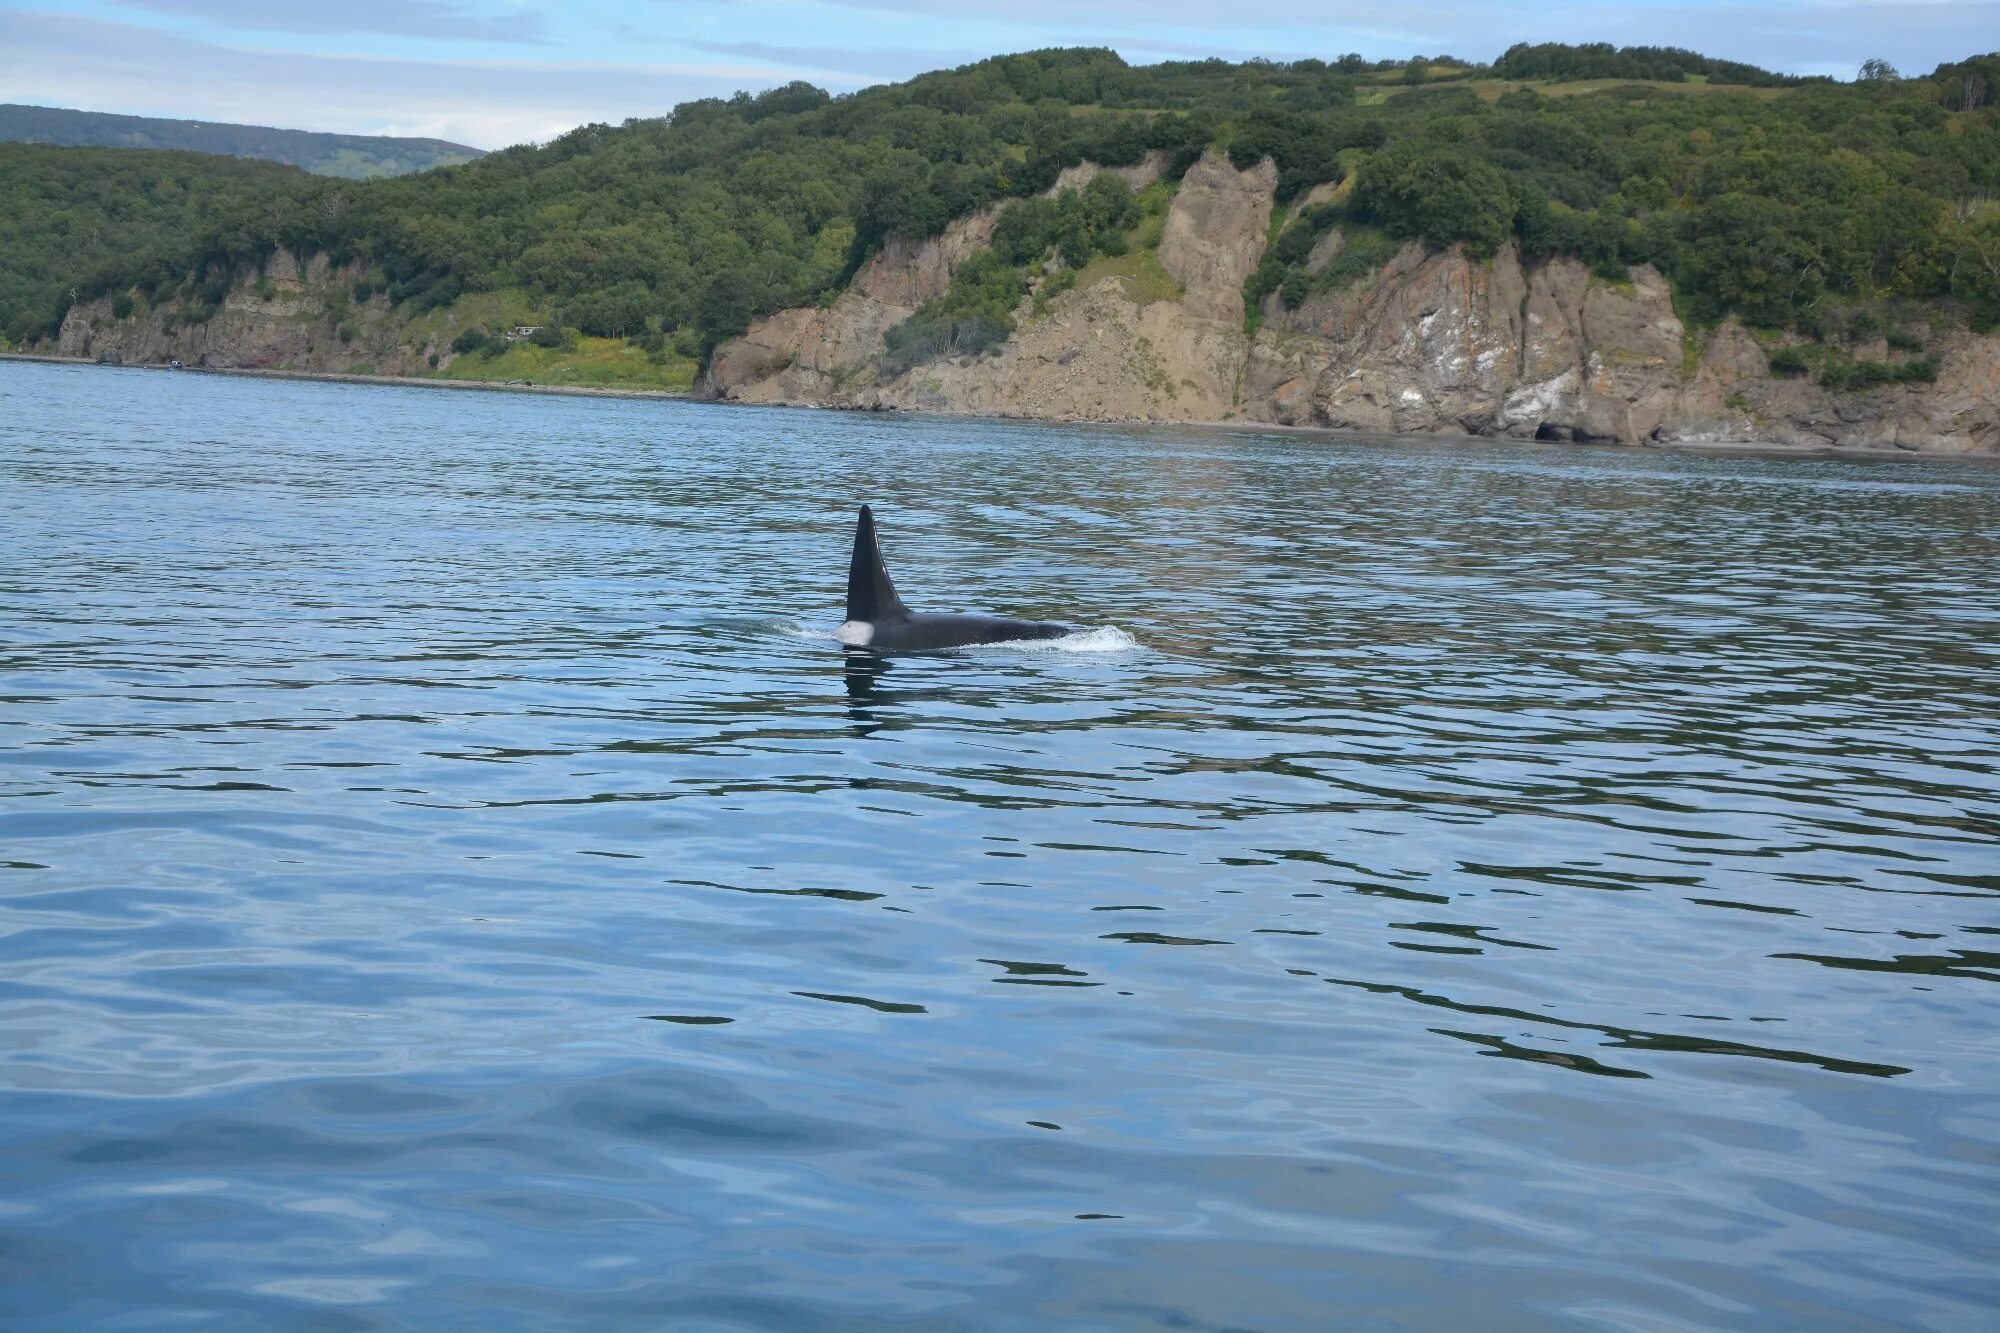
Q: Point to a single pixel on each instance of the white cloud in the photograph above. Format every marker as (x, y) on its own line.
(401, 18)
(57, 60)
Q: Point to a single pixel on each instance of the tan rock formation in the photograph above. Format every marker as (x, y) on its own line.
(294, 322)
(1138, 176)
(1100, 353)
(1733, 396)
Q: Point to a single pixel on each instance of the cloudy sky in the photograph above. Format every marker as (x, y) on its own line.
(495, 72)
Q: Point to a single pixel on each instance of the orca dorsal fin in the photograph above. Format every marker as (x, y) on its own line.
(871, 597)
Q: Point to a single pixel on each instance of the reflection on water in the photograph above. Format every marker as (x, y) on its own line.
(450, 879)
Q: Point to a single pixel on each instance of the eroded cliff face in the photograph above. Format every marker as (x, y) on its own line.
(810, 353)
(1109, 350)
(1443, 344)
(301, 319)
(1431, 343)
(1733, 396)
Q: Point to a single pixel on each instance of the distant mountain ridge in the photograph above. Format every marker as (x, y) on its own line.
(353, 156)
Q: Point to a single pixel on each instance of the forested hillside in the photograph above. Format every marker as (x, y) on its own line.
(353, 156)
(72, 221)
(1601, 60)
(1807, 205)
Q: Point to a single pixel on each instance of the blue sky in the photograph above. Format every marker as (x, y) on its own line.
(494, 72)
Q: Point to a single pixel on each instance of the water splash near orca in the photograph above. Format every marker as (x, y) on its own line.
(1103, 639)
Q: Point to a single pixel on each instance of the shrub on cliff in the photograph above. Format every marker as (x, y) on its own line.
(1305, 146)
(1787, 363)
(1838, 372)
(1440, 192)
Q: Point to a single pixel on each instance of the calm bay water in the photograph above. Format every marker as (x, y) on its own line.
(448, 879)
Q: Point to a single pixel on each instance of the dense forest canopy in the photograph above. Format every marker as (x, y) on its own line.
(354, 156)
(1601, 60)
(72, 220)
(1783, 201)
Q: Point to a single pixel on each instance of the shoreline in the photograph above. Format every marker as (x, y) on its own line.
(1768, 448)
(393, 381)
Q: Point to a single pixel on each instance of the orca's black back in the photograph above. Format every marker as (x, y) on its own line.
(921, 632)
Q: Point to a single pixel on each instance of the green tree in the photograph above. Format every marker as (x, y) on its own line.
(1441, 192)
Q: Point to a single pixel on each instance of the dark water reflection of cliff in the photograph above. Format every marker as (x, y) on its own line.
(446, 883)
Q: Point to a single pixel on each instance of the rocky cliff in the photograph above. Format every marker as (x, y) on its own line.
(292, 317)
(1114, 348)
(1443, 344)
(1426, 343)
(1430, 343)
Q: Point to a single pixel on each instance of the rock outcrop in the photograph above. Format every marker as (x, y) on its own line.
(1443, 344)
(1732, 396)
(811, 353)
(1109, 350)
(292, 317)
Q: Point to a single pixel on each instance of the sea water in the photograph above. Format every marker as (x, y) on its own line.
(450, 878)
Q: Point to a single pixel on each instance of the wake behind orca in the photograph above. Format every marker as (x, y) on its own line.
(877, 618)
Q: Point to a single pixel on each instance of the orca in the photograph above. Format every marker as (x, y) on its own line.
(878, 620)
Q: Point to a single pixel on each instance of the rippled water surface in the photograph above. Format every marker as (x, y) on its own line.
(448, 879)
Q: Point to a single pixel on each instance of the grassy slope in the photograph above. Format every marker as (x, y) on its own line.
(1492, 90)
(601, 363)
(1139, 272)
(595, 362)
